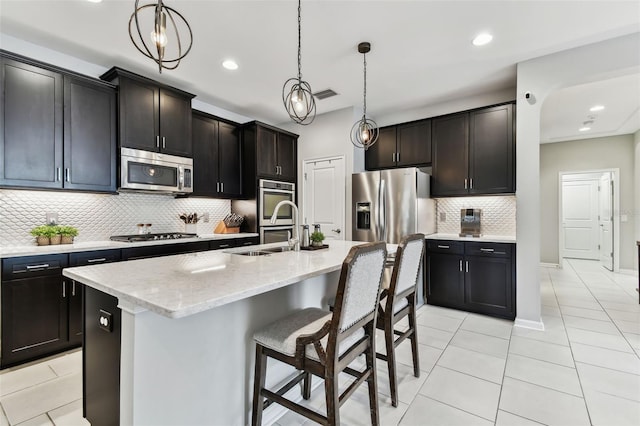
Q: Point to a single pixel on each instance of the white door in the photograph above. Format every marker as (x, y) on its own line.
(580, 232)
(605, 218)
(323, 196)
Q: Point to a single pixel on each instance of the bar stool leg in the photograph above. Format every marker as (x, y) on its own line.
(414, 338)
(306, 386)
(258, 384)
(372, 383)
(391, 358)
(332, 398)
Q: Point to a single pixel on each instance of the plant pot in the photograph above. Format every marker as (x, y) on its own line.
(316, 243)
(42, 241)
(66, 240)
(55, 240)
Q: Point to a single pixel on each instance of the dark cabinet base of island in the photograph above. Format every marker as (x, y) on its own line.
(101, 358)
(472, 276)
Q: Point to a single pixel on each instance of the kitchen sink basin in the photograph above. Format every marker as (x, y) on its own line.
(277, 249)
(253, 253)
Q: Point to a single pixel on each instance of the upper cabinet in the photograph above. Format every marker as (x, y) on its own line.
(402, 145)
(275, 151)
(153, 117)
(216, 157)
(59, 128)
(474, 152)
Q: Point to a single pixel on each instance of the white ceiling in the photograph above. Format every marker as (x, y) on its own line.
(421, 50)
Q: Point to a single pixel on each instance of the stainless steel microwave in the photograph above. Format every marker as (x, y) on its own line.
(154, 172)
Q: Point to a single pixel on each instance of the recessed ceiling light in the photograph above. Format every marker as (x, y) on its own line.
(482, 39)
(230, 64)
(596, 108)
(584, 129)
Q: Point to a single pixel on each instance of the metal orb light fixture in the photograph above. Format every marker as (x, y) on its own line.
(364, 132)
(296, 93)
(155, 47)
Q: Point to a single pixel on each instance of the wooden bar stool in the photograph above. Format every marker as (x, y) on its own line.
(399, 301)
(322, 343)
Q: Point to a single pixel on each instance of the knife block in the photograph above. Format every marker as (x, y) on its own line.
(221, 228)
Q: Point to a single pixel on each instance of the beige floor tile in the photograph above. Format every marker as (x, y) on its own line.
(606, 410)
(355, 410)
(625, 307)
(428, 355)
(291, 418)
(69, 415)
(624, 315)
(551, 311)
(508, 419)
(27, 403)
(67, 364)
(607, 358)
(633, 339)
(556, 336)
(408, 384)
(428, 412)
(601, 340)
(3, 419)
(487, 325)
(628, 326)
(42, 420)
(22, 378)
(584, 313)
(542, 404)
(470, 394)
(438, 321)
(616, 383)
(475, 364)
(451, 313)
(599, 326)
(489, 345)
(432, 337)
(542, 351)
(542, 373)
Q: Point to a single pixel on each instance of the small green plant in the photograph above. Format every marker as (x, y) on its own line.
(45, 231)
(67, 231)
(317, 237)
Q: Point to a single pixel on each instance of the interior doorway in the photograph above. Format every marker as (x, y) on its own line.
(588, 227)
(323, 198)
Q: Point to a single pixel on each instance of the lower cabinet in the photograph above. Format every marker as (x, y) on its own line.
(473, 276)
(233, 242)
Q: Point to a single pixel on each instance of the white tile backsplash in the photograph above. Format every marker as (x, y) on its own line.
(498, 214)
(98, 216)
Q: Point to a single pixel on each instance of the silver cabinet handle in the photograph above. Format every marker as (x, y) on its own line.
(67, 175)
(217, 186)
(44, 265)
(465, 183)
(398, 157)
(224, 246)
(100, 259)
(58, 174)
(158, 141)
(164, 142)
(461, 266)
(222, 186)
(487, 250)
(73, 288)
(466, 265)
(393, 157)
(443, 247)
(64, 289)
(471, 183)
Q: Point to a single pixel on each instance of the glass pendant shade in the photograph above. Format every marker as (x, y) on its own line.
(364, 132)
(155, 47)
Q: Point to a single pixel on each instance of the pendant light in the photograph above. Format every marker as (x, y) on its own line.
(296, 93)
(364, 132)
(154, 47)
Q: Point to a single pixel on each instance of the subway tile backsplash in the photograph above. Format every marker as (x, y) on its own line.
(98, 216)
(498, 214)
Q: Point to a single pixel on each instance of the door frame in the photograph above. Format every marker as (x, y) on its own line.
(301, 188)
(615, 178)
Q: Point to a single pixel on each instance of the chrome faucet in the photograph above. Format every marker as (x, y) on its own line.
(295, 241)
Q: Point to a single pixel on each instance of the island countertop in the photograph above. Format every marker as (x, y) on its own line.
(186, 284)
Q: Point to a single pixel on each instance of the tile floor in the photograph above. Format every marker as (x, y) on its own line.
(583, 369)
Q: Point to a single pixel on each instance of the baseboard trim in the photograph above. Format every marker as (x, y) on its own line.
(550, 265)
(532, 325)
(628, 271)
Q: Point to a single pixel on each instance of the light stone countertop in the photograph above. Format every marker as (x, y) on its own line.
(186, 284)
(482, 239)
(35, 250)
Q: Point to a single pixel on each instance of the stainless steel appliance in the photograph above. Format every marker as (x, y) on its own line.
(470, 222)
(151, 237)
(271, 193)
(275, 234)
(151, 171)
(389, 204)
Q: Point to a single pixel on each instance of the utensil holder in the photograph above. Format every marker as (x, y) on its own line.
(191, 228)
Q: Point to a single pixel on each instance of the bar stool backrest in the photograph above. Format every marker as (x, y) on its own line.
(409, 254)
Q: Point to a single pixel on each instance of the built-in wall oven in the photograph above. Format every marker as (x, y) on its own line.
(275, 234)
(271, 193)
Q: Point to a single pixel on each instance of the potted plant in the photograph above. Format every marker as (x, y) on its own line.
(43, 233)
(54, 235)
(316, 238)
(67, 233)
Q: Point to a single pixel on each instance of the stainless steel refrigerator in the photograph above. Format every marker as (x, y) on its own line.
(389, 204)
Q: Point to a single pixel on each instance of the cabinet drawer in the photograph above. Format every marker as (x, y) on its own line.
(445, 246)
(489, 249)
(233, 242)
(33, 266)
(94, 257)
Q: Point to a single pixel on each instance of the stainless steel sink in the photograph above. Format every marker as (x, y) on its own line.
(253, 253)
(264, 251)
(277, 249)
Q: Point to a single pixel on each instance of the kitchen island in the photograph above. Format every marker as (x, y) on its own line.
(185, 349)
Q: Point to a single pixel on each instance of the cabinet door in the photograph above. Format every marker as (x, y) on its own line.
(450, 137)
(205, 156)
(89, 136)
(75, 292)
(491, 151)
(489, 286)
(382, 154)
(139, 112)
(34, 318)
(445, 280)
(414, 144)
(229, 160)
(31, 122)
(175, 124)
(267, 159)
(287, 157)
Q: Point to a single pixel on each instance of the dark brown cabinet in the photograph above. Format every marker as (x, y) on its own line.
(473, 276)
(275, 150)
(403, 145)
(233, 242)
(59, 129)
(216, 157)
(152, 117)
(474, 152)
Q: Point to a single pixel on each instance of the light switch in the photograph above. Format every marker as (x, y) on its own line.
(105, 321)
(443, 216)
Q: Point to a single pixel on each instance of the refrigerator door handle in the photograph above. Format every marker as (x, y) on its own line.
(383, 209)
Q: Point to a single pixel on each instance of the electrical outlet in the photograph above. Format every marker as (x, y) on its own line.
(205, 217)
(443, 217)
(52, 218)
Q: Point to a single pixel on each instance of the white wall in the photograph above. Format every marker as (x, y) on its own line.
(541, 76)
(636, 189)
(580, 155)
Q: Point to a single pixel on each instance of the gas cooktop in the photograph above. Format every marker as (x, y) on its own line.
(151, 237)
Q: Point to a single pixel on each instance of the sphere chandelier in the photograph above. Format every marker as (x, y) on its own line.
(364, 132)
